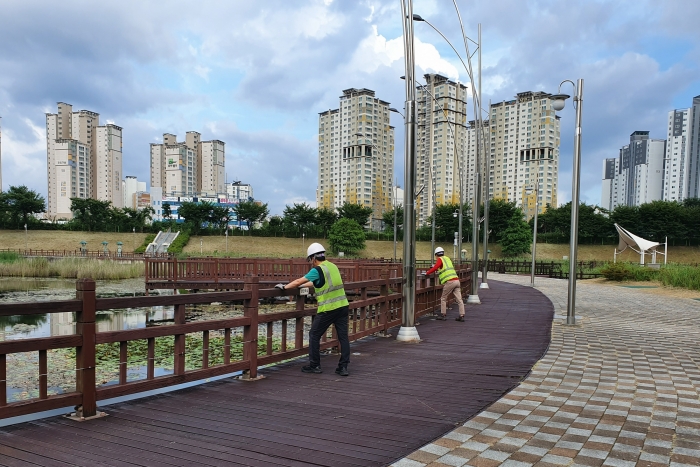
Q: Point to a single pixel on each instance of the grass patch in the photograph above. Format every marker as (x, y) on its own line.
(9, 257)
(673, 275)
(179, 243)
(146, 241)
(72, 268)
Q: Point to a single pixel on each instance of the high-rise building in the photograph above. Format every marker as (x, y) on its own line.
(682, 154)
(356, 154)
(522, 143)
(441, 143)
(636, 177)
(237, 192)
(0, 154)
(132, 189)
(84, 159)
(189, 168)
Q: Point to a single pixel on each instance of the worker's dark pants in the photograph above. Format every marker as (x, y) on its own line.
(322, 321)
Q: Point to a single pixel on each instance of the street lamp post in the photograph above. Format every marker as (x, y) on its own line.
(558, 101)
(408, 331)
(26, 240)
(534, 230)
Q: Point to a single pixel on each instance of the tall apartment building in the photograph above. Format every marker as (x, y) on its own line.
(239, 191)
(682, 154)
(356, 153)
(522, 144)
(189, 168)
(84, 159)
(0, 154)
(636, 176)
(441, 143)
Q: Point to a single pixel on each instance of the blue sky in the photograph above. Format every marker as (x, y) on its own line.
(256, 74)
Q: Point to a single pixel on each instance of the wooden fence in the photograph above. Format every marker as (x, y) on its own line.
(368, 315)
(228, 273)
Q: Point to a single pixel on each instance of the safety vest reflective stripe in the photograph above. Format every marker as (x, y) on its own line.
(332, 295)
(447, 270)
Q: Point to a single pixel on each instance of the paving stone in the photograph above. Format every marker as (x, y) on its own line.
(620, 388)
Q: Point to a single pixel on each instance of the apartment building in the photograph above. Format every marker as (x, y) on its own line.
(0, 154)
(238, 191)
(189, 168)
(441, 144)
(522, 144)
(637, 175)
(84, 159)
(132, 189)
(356, 154)
(682, 154)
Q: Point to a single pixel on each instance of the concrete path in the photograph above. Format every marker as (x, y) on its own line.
(620, 388)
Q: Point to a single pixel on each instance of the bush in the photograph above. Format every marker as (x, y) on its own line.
(616, 272)
(179, 243)
(347, 236)
(142, 249)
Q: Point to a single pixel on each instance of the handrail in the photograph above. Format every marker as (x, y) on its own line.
(375, 308)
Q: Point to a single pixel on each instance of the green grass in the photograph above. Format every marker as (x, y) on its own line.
(146, 241)
(72, 268)
(9, 257)
(674, 275)
(179, 243)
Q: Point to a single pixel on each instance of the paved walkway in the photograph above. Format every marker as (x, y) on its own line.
(620, 389)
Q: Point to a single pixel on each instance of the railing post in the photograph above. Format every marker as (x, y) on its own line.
(384, 292)
(179, 348)
(250, 332)
(85, 354)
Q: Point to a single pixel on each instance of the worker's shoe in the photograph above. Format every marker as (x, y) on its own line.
(459, 318)
(311, 369)
(342, 371)
(441, 317)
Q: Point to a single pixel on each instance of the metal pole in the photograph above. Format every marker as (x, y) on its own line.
(534, 233)
(408, 331)
(487, 179)
(395, 208)
(575, 190)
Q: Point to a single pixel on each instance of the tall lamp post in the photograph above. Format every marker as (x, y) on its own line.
(408, 331)
(392, 109)
(536, 191)
(558, 102)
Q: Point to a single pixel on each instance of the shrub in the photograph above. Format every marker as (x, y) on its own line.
(616, 272)
(9, 257)
(179, 243)
(347, 236)
(149, 238)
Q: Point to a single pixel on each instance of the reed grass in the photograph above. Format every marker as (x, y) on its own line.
(72, 268)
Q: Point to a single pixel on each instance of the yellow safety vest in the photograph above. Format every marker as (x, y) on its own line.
(331, 295)
(447, 270)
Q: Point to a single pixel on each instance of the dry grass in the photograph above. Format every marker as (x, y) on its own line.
(65, 240)
(72, 268)
(293, 247)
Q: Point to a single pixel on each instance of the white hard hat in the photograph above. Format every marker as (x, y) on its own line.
(314, 249)
(439, 250)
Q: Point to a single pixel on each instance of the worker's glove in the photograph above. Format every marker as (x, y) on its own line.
(422, 273)
(280, 286)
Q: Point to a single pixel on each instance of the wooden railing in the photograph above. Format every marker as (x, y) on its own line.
(228, 273)
(376, 309)
(77, 253)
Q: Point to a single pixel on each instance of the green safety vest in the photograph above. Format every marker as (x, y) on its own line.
(332, 295)
(447, 270)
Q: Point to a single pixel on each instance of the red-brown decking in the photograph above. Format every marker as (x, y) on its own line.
(397, 398)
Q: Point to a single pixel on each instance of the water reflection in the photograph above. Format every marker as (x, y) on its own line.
(18, 290)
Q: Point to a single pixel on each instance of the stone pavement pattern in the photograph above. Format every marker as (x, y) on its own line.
(620, 388)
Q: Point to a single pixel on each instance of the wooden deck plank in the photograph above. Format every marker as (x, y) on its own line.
(397, 398)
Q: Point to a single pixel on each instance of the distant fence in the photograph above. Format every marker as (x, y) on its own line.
(543, 268)
(77, 253)
(370, 313)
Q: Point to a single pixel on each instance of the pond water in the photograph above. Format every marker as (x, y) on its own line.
(18, 290)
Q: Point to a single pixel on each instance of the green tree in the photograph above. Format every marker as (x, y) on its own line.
(348, 236)
(195, 215)
(356, 212)
(325, 218)
(500, 213)
(299, 218)
(251, 212)
(167, 211)
(91, 214)
(627, 217)
(663, 219)
(20, 203)
(517, 237)
(388, 218)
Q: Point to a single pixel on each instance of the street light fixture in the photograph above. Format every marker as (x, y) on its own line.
(408, 331)
(536, 191)
(558, 102)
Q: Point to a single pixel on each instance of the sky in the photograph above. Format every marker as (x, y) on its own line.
(257, 74)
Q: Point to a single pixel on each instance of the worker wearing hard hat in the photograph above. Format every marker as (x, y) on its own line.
(448, 277)
(332, 308)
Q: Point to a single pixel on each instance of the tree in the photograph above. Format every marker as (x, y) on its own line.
(325, 218)
(167, 211)
(517, 237)
(356, 212)
(347, 236)
(20, 202)
(251, 212)
(195, 215)
(299, 218)
(500, 213)
(388, 218)
(91, 214)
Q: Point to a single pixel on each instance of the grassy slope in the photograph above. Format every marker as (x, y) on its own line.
(64, 240)
(292, 247)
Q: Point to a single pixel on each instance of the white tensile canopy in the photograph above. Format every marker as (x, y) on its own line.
(639, 245)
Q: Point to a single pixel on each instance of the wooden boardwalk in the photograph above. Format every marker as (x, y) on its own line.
(397, 398)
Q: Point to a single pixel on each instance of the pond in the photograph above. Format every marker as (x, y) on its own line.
(19, 289)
